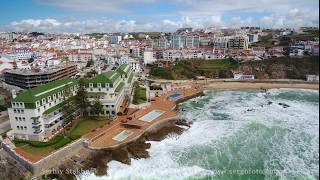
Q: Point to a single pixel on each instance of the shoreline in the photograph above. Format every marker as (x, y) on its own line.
(259, 85)
(136, 149)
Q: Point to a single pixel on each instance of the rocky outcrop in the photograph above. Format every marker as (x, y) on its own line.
(136, 150)
(10, 169)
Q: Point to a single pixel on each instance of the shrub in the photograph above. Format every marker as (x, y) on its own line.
(51, 142)
(74, 136)
(62, 143)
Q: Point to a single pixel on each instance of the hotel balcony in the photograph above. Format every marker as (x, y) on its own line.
(36, 122)
(37, 131)
(36, 126)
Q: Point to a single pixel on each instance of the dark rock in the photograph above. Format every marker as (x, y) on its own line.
(182, 122)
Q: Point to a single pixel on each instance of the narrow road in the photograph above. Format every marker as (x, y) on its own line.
(5, 126)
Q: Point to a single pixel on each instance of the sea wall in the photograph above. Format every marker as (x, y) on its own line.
(44, 165)
(55, 159)
(16, 157)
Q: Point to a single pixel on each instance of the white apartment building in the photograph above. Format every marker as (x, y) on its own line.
(80, 57)
(23, 53)
(37, 114)
(148, 57)
(114, 39)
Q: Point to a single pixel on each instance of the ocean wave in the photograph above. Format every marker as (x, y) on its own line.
(236, 134)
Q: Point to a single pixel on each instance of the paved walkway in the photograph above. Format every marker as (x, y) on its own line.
(103, 138)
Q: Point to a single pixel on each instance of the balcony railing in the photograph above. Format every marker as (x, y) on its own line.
(36, 126)
(37, 131)
(36, 122)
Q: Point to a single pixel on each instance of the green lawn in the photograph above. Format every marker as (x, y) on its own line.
(215, 64)
(140, 94)
(86, 125)
(35, 151)
(81, 128)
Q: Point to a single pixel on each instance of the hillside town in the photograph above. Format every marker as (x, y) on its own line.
(53, 83)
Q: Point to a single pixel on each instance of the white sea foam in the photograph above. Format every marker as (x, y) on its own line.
(286, 138)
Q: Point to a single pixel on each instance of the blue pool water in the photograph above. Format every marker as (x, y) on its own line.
(175, 95)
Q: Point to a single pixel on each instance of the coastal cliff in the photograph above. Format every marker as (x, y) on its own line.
(96, 160)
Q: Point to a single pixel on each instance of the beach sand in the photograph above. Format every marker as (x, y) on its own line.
(258, 85)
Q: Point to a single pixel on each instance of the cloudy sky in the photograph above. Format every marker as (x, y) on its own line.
(153, 15)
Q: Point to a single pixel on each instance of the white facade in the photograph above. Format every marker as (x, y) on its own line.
(148, 57)
(34, 123)
(80, 57)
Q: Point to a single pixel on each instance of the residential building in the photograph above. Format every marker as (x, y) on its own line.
(312, 78)
(23, 53)
(148, 57)
(114, 39)
(238, 42)
(253, 38)
(163, 43)
(80, 57)
(27, 79)
(178, 41)
(192, 41)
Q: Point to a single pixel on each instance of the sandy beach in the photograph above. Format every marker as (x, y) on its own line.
(258, 85)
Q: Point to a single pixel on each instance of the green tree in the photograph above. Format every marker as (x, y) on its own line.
(68, 108)
(286, 51)
(90, 63)
(81, 99)
(30, 60)
(97, 107)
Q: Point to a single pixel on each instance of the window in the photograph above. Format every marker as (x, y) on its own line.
(25, 128)
(54, 96)
(99, 85)
(16, 118)
(49, 98)
(23, 119)
(43, 101)
(90, 85)
(15, 111)
(59, 94)
(18, 127)
(22, 111)
(38, 103)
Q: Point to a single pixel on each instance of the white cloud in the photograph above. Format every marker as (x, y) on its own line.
(106, 6)
(190, 13)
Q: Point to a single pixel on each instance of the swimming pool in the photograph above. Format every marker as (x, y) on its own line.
(152, 115)
(174, 95)
(122, 136)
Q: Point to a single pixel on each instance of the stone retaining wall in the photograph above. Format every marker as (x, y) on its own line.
(44, 165)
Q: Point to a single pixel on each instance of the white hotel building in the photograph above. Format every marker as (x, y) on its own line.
(37, 114)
